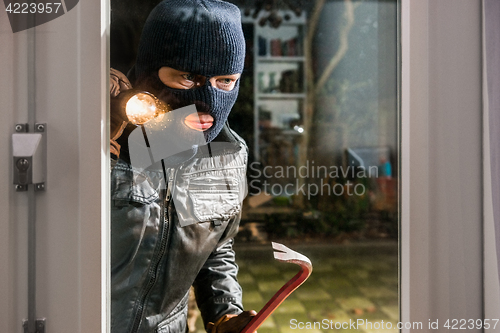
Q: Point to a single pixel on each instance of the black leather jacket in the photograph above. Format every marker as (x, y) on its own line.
(155, 260)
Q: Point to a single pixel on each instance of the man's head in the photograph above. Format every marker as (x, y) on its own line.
(192, 52)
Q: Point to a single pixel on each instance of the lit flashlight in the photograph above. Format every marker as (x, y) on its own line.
(139, 107)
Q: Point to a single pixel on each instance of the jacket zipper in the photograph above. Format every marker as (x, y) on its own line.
(170, 184)
(163, 245)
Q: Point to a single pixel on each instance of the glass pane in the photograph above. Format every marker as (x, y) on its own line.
(318, 109)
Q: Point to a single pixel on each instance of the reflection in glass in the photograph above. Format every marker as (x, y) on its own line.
(323, 173)
(317, 108)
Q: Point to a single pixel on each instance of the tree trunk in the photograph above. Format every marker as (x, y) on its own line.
(314, 88)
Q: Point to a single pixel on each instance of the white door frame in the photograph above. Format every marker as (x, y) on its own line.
(72, 214)
(441, 162)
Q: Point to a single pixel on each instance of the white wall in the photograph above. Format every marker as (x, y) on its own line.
(71, 62)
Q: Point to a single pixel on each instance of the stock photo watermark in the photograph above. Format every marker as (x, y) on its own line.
(356, 324)
(319, 179)
(24, 15)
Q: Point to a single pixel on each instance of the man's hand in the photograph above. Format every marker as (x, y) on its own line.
(118, 82)
(231, 323)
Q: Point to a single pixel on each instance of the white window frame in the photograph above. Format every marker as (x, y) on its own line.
(443, 275)
(446, 252)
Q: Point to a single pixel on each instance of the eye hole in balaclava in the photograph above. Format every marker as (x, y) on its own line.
(202, 37)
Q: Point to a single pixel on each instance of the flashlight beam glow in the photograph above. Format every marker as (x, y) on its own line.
(141, 108)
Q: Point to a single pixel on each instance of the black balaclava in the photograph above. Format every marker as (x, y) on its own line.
(201, 37)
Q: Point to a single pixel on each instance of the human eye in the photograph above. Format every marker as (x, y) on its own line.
(177, 79)
(188, 76)
(226, 83)
(187, 80)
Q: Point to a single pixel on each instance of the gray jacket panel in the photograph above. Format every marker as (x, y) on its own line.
(165, 240)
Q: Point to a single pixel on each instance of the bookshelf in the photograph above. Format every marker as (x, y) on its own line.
(279, 89)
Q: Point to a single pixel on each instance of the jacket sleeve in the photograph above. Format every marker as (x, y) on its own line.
(216, 286)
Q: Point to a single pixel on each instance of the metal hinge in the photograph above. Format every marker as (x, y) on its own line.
(39, 326)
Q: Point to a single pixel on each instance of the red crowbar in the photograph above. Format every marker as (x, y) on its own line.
(283, 254)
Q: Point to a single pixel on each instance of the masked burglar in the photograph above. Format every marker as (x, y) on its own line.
(173, 222)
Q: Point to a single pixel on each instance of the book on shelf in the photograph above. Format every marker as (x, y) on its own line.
(262, 46)
(276, 50)
(291, 46)
(290, 82)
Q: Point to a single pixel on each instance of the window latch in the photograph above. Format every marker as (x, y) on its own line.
(30, 157)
